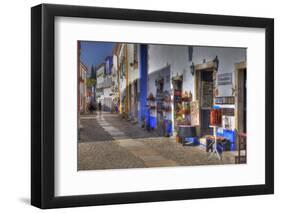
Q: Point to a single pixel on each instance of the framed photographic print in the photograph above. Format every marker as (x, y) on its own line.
(139, 106)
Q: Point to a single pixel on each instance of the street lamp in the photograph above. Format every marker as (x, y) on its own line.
(192, 68)
(216, 63)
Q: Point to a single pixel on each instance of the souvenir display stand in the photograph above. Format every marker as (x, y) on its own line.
(151, 112)
(167, 112)
(215, 122)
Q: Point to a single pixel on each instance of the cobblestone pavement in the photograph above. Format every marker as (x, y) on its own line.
(109, 142)
(106, 155)
(92, 131)
(187, 155)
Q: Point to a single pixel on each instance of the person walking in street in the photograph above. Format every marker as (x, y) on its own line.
(99, 108)
(91, 108)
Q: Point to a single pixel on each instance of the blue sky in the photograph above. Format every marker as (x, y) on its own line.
(95, 52)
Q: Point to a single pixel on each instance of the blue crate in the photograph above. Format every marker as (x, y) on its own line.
(168, 127)
(152, 122)
(229, 146)
(228, 134)
(147, 119)
(232, 146)
(193, 140)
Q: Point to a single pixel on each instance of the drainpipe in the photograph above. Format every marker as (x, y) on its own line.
(127, 80)
(118, 82)
(143, 70)
(78, 75)
(78, 86)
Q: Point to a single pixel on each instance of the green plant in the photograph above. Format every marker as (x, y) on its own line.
(90, 82)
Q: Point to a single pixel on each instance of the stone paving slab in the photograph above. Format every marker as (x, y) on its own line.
(120, 137)
(87, 118)
(116, 133)
(152, 157)
(110, 128)
(163, 163)
(129, 143)
(143, 152)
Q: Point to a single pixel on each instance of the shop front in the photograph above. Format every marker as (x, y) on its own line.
(182, 111)
(159, 101)
(202, 82)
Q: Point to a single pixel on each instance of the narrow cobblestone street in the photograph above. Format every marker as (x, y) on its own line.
(109, 142)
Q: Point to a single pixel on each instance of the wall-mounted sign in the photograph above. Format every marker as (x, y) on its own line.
(228, 122)
(224, 100)
(228, 111)
(224, 79)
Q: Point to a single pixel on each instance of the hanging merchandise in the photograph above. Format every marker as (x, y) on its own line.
(177, 84)
(185, 111)
(194, 113)
(167, 113)
(216, 117)
(152, 111)
(228, 122)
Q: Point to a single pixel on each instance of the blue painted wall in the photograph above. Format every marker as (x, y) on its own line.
(143, 82)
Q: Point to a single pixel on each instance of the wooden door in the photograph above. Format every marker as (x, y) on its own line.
(206, 101)
(242, 100)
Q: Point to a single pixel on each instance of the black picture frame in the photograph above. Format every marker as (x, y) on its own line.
(43, 105)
